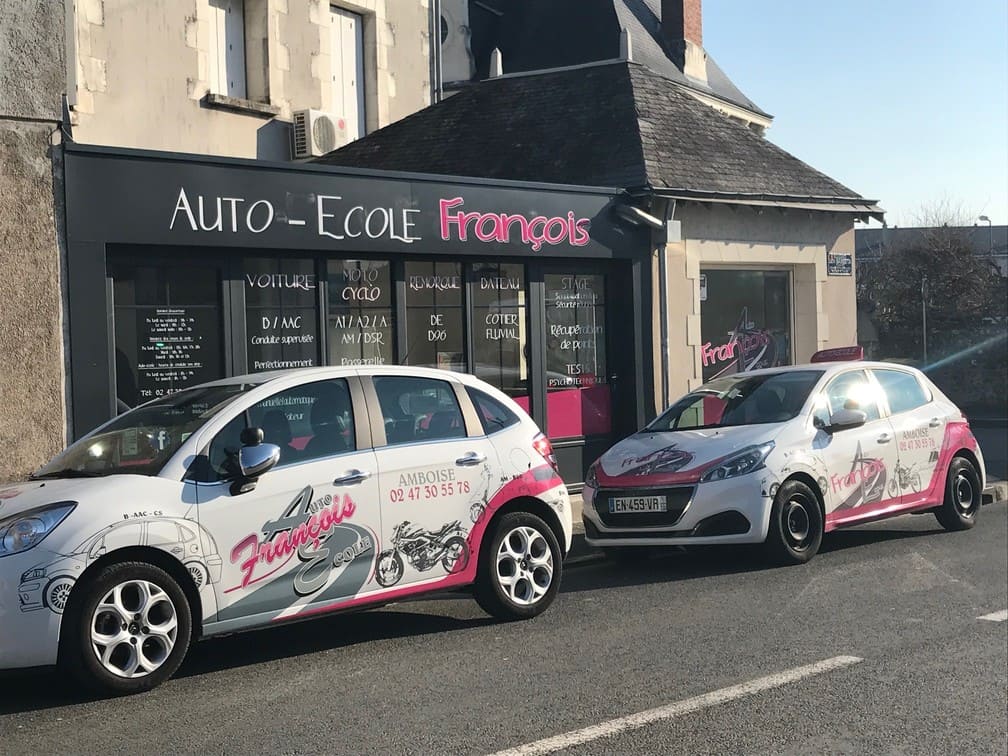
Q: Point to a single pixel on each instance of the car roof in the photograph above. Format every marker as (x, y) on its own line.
(831, 368)
(269, 376)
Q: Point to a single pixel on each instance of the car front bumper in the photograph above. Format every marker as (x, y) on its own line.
(29, 632)
(736, 510)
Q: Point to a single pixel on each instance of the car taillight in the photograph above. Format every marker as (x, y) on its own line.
(542, 445)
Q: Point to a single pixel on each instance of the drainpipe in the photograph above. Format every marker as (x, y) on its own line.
(435, 51)
(663, 329)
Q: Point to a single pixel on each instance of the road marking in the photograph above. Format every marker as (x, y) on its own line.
(995, 616)
(679, 708)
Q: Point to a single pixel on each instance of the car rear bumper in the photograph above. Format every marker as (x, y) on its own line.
(723, 512)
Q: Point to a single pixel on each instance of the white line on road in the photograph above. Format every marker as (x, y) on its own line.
(679, 708)
(995, 616)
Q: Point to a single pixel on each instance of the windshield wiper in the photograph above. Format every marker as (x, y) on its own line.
(67, 473)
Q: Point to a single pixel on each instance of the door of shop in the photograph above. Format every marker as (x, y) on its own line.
(588, 398)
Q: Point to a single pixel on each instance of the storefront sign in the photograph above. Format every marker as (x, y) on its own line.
(840, 264)
(223, 203)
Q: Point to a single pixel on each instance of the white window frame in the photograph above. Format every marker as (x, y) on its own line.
(227, 48)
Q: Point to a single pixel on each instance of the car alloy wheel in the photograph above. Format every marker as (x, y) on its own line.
(134, 628)
(524, 565)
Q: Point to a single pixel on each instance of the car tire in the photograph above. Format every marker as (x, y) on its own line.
(963, 496)
(796, 525)
(145, 615)
(520, 567)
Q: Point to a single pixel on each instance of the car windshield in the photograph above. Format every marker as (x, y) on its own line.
(740, 399)
(140, 441)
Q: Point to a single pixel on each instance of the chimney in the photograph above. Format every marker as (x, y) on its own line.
(682, 27)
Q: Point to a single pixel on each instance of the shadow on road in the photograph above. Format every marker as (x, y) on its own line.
(35, 690)
(670, 564)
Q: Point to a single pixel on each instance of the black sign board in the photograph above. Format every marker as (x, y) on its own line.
(840, 264)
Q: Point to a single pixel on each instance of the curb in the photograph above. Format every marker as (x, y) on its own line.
(997, 490)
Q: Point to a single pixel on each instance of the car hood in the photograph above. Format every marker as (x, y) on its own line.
(676, 457)
(20, 497)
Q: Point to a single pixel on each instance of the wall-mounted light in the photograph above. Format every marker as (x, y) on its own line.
(637, 217)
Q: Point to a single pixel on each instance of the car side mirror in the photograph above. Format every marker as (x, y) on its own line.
(254, 460)
(846, 419)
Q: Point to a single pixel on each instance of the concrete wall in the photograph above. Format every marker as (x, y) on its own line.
(32, 70)
(142, 72)
(717, 236)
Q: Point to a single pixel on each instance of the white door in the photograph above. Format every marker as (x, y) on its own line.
(857, 460)
(434, 480)
(305, 538)
(347, 51)
(919, 426)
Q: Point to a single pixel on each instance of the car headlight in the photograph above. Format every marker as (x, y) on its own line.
(26, 530)
(591, 477)
(746, 461)
(35, 573)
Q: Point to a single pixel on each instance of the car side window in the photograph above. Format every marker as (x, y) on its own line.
(418, 409)
(493, 415)
(902, 389)
(850, 390)
(307, 422)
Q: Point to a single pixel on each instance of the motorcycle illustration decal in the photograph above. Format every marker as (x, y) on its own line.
(906, 478)
(423, 550)
(479, 498)
(864, 484)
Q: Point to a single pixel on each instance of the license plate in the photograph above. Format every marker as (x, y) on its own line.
(630, 504)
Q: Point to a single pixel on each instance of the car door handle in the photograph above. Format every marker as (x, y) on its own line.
(935, 422)
(470, 459)
(885, 438)
(351, 478)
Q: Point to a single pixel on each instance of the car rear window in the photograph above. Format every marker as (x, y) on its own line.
(492, 414)
(902, 389)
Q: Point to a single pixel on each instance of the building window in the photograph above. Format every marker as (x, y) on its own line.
(281, 313)
(745, 321)
(500, 345)
(435, 318)
(361, 318)
(168, 330)
(227, 53)
(347, 52)
(578, 401)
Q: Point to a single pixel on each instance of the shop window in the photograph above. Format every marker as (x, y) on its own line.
(435, 316)
(578, 401)
(168, 329)
(281, 313)
(361, 322)
(745, 321)
(418, 409)
(500, 345)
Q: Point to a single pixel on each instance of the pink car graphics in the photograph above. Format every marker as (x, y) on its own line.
(864, 484)
(47, 586)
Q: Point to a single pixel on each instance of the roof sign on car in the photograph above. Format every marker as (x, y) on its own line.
(840, 354)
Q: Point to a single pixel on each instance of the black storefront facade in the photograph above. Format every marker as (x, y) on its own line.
(183, 269)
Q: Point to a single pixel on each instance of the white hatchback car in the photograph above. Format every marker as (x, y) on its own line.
(326, 489)
(782, 455)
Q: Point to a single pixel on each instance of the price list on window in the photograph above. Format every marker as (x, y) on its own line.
(174, 346)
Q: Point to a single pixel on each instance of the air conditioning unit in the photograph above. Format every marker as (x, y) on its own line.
(317, 133)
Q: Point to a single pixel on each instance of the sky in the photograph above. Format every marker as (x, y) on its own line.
(903, 101)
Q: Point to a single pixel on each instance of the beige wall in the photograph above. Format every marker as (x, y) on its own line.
(32, 405)
(718, 236)
(142, 71)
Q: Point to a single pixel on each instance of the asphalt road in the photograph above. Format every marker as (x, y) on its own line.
(902, 597)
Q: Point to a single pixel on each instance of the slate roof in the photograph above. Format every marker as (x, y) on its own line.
(534, 35)
(617, 124)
